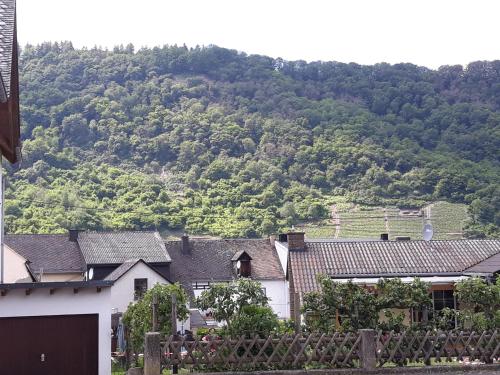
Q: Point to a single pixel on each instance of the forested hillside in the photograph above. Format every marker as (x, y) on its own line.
(209, 140)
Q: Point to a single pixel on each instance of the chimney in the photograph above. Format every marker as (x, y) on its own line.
(384, 237)
(272, 240)
(296, 241)
(73, 235)
(282, 237)
(402, 238)
(185, 243)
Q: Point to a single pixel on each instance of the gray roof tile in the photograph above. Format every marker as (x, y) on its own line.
(122, 269)
(54, 253)
(118, 247)
(345, 259)
(210, 260)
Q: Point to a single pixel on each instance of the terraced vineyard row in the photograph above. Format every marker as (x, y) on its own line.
(363, 222)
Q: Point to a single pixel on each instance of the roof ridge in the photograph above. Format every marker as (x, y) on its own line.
(340, 240)
(36, 234)
(220, 239)
(118, 231)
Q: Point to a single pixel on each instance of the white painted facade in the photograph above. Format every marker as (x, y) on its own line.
(15, 267)
(65, 302)
(282, 251)
(277, 291)
(122, 292)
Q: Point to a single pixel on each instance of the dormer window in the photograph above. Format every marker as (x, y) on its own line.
(243, 264)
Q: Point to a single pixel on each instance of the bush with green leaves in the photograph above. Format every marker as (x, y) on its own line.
(357, 307)
(479, 303)
(354, 305)
(226, 301)
(254, 320)
(139, 318)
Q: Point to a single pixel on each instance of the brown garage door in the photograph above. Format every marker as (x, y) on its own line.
(49, 345)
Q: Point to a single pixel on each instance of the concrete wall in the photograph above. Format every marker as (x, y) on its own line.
(122, 292)
(64, 302)
(15, 267)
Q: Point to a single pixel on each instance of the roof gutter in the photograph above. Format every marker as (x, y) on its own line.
(58, 285)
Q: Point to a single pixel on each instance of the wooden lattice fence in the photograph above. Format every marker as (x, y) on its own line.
(409, 346)
(366, 349)
(287, 351)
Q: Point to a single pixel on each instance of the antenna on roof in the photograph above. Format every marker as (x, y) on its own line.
(427, 232)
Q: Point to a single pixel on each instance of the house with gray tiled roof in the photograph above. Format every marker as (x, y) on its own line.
(48, 257)
(132, 261)
(104, 252)
(441, 263)
(198, 263)
(130, 281)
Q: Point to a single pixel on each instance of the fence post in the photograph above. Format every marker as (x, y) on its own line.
(368, 349)
(152, 354)
(155, 313)
(173, 322)
(296, 312)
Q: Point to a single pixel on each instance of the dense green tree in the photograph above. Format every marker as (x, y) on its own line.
(228, 301)
(262, 142)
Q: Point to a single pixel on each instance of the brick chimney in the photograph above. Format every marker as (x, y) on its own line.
(185, 244)
(296, 240)
(73, 235)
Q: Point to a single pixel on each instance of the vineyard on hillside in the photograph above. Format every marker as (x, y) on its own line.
(365, 222)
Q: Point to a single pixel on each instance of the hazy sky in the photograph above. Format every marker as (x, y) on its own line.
(424, 32)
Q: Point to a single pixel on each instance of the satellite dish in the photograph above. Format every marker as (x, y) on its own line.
(428, 232)
(238, 265)
(91, 274)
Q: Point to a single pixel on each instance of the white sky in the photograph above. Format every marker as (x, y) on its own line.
(424, 32)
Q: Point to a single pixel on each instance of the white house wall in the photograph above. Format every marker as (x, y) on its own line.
(282, 251)
(277, 291)
(15, 267)
(122, 292)
(64, 302)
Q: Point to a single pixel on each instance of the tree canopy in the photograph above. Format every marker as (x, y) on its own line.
(216, 141)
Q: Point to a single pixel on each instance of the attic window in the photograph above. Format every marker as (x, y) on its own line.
(140, 288)
(245, 269)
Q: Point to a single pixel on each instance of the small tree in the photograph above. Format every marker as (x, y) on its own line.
(357, 307)
(226, 301)
(479, 303)
(354, 305)
(254, 319)
(138, 317)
